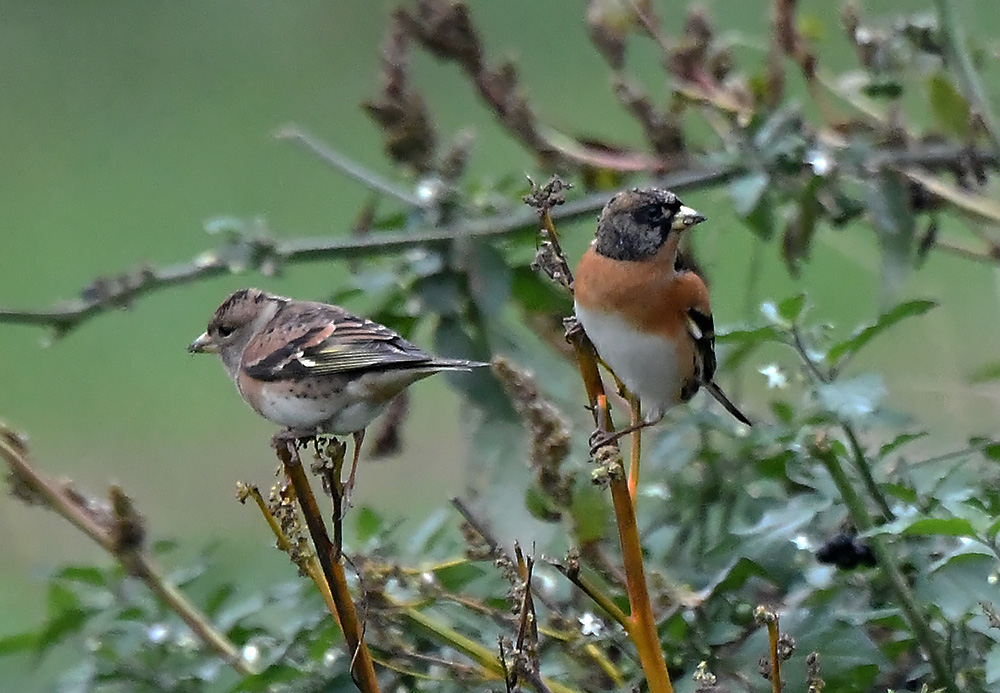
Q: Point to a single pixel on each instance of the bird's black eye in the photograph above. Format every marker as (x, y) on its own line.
(649, 214)
(225, 330)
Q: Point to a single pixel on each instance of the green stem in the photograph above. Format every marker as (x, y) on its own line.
(865, 470)
(932, 648)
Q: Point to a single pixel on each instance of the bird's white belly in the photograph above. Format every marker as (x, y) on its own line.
(647, 364)
(294, 412)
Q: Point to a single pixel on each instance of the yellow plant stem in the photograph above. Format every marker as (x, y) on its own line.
(333, 571)
(641, 621)
(309, 565)
(772, 639)
(635, 454)
(483, 656)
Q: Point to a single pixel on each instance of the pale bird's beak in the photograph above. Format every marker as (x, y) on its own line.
(203, 345)
(686, 218)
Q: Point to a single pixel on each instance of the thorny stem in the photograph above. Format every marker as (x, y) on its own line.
(925, 636)
(133, 558)
(66, 315)
(333, 571)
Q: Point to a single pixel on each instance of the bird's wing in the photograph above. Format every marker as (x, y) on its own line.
(307, 339)
(701, 328)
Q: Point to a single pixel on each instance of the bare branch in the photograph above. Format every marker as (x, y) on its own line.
(263, 253)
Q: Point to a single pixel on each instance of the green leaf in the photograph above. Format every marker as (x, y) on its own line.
(992, 451)
(958, 584)
(950, 109)
(217, 598)
(940, 526)
(454, 577)
(85, 574)
(20, 642)
(540, 506)
(368, 524)
(854, 398)
(986, 373)
(489, 277)
(590, 513)
(895, 228)
(883, 87)
(533, 293)
(861, 338)
(65, 616)
(747, 191)
(791, 308)
(899, 441)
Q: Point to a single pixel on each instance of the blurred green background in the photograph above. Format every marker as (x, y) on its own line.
(125, 126)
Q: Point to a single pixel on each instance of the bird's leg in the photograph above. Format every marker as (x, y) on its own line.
(359, 437)
(600, 438)
(635, 409)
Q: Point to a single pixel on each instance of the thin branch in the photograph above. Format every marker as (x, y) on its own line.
(121, 293)
(330, 156)
(105, 527)
(572, 573)
(864, 469)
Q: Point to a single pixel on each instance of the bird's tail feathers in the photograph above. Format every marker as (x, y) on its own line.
(721, 398)
(455, 364)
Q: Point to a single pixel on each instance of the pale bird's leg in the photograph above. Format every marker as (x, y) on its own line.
(359, 437)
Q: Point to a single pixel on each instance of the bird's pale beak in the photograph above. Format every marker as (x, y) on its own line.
(686, 218)
(203, 345)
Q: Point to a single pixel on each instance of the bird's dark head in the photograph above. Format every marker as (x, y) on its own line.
(636, 223)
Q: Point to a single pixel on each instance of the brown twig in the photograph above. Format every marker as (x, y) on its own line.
(118, 530)
(770, 619)
(362, 667)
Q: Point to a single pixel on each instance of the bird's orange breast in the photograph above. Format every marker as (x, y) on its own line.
(649, 295)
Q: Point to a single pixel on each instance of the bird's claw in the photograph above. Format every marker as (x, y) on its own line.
(598, 439)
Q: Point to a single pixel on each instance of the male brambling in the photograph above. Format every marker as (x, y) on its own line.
(649, 320)
(314, 367)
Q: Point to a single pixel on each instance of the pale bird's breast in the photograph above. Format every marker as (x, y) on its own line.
(647, 363)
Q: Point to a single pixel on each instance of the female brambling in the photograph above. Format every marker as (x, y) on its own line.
(313, 367)
(649, 321)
